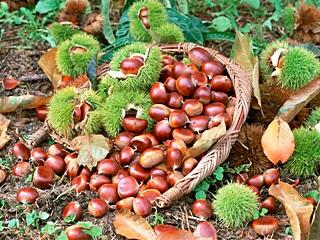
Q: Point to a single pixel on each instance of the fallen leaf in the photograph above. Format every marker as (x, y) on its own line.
(13, 103)
(47, 62)
(207, 139)
(299, 100)
(176, 235)
(242, 53)
(10, 83)
(298, 209)
(4, 138)
(315, 226)
(278, 141)
(91, 148)
(132, 226)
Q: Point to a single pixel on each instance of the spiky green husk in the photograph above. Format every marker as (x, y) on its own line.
(288, 19)
(75, 64)
(60, 111)
(314, 118)
(157, 17)
(62, 32)
(235, 204)
(306, 157)
(113, 110)
(300, 66)
(92, 97)
(169, 33)
(265, 61)
(148, 75)
(94, 124)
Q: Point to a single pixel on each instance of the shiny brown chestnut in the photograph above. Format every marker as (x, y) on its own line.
(41, 113)
(152, 137)
(175, 100)
(271, 176)
(214, 109)
(86, 172)
(77, 113)
(202, 209)
(270, 204)
(57, 149)
(108, 167)
(138, 172)
(159, 112)
(216, 120)
(72, 168)
(178, 144)
(168, 60)
(221, 83)
(174, 158)
(179, 69)
(185, 85)
(123, 139)
(76, 232)
(256, 181)
(158, 93)
(199, 123)
(150, 194)
(199, 78)
(72, 208)
(199, 56)
(140, 143)
(184, 134)
(98, 207)
(43, 177)
(108, 192)
(39, 155)
(178, 118)
(27, 195)
(174, 177)
(212, 68)
(20, 151)
(166, 71)
(80, 183)
(151, 157)
(266, 225)
(162, 130)
(125, 203)
(20, 169)
(188, 165)
(134, 125)
(158, 183)
(205, 231)
(131, 66)
(203, 94)
(157, 172)
(219, 97)
(170, 84)
(3, 176)
(123, 172)
(192, 107)
(142, 206)
(128, 187)
(126, 155)
(97, 180)
(57, 163)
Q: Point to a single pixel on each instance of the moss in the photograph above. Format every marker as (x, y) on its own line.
(235, 204)
(62, 32)
(288, 19)
(75, 64)
(300, 66)
(157, 17)
(306, 157)
(169, 33)
(314, 118)
(60, 111)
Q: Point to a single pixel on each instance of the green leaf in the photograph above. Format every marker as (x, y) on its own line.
(315, 194)
(183, 6)
(256, 214)
(13, 223)
(62, 236)
(218, 173)
(252, 3)
(44, 215)
(263, 212)
(31, 218)
(94, 231)
(50, 228)
(204, 186)
(85, 224)
(107, 28)
(45, 6)
(219, 36)
(221, 24)
(201, 195)
(1, 226)
(70, 218)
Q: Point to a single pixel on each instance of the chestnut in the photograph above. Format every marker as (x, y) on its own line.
(159, 112)
(175, 100)
(108, 192)
(256, 181)
(43, 177)
(108, 167)
(27, 195)
(72, 168)
(254, 189)
(138, 172)
(270, 204)
(158, 183)
(266, 225)
(77, 113)
(70, 157)
(205, 230)
(97, 207)
(150, 194)
(178, 144)
(124, 172)
(213, 109)
(178, 119)
(20, 151)
(20, 169)
(134, 125)
(174, 158)
(168, 60)
(162, 130)
(39, 155)
(131, 66)
(185, 85)
(188, 165)
(152, 137)
(72, 208)
(128, 187)
(126, 155)
(158, 93)
(141, 143)
(97, 180)
(170, 84)
(199, 123)
(86, 172)
(192, 107)
(312, 201)
(202, 209)
(151, 157)
(271, 176)
(76, 232)
(217, 119)
(199, 56)
(219, 97)
(212, 68)
(125, 203)
(41, 113)
(57, 149)
(80, 183)
(203, 94)
(166, 71)
(199, 78)
(241, 178)
(179, 69)
(174, 177)
(157, 172)
(221, 83)
(184, 134)
(123, 139)
(57, 163)
(142, 206)
(3, 176)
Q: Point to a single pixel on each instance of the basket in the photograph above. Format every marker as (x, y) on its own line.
(219, 151)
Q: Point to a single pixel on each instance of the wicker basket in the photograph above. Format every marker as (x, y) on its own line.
(219, 152)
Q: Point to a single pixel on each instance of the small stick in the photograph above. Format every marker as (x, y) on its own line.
(33, 77)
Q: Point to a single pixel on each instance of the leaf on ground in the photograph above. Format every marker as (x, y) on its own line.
(107, 28)
(132, 226)
(10, 83)
(315, 228)
(13, 103)
(278, 141)
(207, 139)
(4, 138)
(91, 148)
(177, 235)
(47, 62)
(242, 53)
(298, 209)
(299, 100)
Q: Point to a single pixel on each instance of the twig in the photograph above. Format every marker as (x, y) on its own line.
(64, 193)
(33, 77)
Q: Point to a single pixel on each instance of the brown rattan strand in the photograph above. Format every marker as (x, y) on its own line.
(220, 151)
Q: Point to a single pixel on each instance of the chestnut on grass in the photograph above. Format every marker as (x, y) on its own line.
(128, 187)
(266, 225)
(202, 209)
(108, 192)
(20, 151)
(199, 56)
(39, 155)
(27, 195)
(108, 167)
(72, 208)
(134, 125)
(212, 68)
(3, 176)
(142, 206)
(43, 177)
(86, 172)
(80, 183)
(20, 169)
(57, 163)
(76, 232)
(123, 139)
(97, 180)
(158, 183)
(97, 207)
(221, 83)
(256, 181)
(72, 168)
(271, 176)
(57, 149)
(184, 134)
(158, 93)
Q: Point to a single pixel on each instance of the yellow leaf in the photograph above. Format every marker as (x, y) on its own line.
(298, 209)
(132, 226)
(278, 141)
(4, 138)
(13, 103)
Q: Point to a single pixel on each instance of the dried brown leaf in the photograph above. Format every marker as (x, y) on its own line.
(177, 235)
(315, 228)
(278, 141)
(207, 139)
(10, 83)
(4, 138)
(92, 149)
(13, 103)
(132, 226)
(298, 209)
